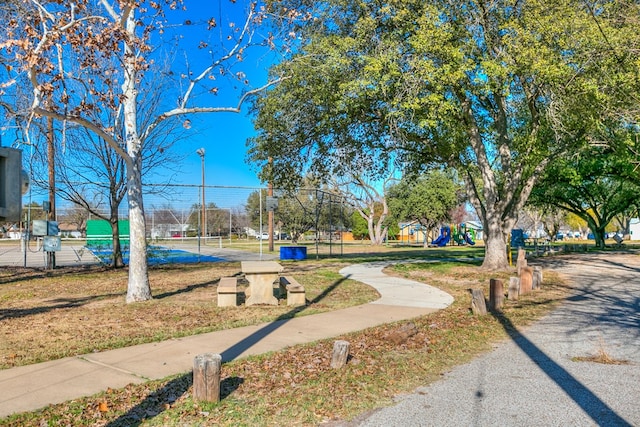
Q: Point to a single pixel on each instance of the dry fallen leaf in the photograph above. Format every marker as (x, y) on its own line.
(103, 407)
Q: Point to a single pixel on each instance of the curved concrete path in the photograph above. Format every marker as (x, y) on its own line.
(397, 291)
(536, 379)
(32, 387)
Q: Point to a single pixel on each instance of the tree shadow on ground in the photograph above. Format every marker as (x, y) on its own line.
(243, 345)
(408, 252)
(601, 413)
(12, 275)
(58, 303)
(186, 289)
(160, 400)
(154, 404)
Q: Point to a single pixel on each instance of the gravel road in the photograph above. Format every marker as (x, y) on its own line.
(534, 380)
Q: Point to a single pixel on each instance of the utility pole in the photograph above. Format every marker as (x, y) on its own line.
(51, 216)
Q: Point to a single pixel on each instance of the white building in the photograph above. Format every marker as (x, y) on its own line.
(634, 229)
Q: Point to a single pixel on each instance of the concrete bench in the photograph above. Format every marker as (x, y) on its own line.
(228, 292)
(294, 290)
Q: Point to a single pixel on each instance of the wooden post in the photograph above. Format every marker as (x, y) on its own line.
(496, 294)
(478, 304)
(522, 260)
(537, 277)
(514, 288)
(206, 377)
(526, 280)
(340, 354)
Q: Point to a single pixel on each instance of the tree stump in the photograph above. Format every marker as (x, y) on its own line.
(526, 280)
(340, 354)
(402, 334)
(478, 304)
(496, 294)
(537, 277)
(514, 288)
(206, 377)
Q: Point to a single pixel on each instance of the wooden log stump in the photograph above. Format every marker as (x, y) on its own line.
(340, 354)
(206, 377)
(526, 280)
(478, 303)
(496, 294)
(514, 288)
(402, 334)
(522, 260)
(537, 278)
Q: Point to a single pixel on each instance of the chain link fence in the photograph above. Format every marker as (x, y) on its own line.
(176, 212)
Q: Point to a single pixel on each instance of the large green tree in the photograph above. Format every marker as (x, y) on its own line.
(428, 199)
(590, 184)
(493, 89)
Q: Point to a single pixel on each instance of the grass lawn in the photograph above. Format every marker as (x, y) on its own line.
(68, 312)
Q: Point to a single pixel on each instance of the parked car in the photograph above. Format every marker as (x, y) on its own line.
(263, 236)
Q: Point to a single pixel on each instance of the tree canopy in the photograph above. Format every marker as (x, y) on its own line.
(590, 184)
(493, 89)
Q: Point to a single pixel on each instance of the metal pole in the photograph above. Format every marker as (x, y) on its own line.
(270, 214)
(204, 209)
(203, 229)
(51, 262)
(260, 209)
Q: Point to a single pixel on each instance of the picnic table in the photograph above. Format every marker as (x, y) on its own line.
(261, 276)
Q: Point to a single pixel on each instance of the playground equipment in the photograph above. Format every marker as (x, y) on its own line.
(443, 239)
(463, 236)
(459, 234)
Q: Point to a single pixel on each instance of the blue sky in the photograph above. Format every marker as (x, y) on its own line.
(222, 135)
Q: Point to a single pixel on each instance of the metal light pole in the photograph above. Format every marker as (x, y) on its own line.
(270, 218)
(200, 152)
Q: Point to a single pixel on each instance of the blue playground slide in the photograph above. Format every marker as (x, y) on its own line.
(468, 239)
(443, 239)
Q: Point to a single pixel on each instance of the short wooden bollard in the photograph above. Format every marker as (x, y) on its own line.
(526, 280)
(514, 288)
(206, 377)
(478, 304)
(496, 294)
(340, 354)
(522, 260)
(537, 277)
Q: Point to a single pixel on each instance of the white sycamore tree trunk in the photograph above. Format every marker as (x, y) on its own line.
(138, 288)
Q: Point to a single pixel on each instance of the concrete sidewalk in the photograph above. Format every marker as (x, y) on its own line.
(35, 386)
